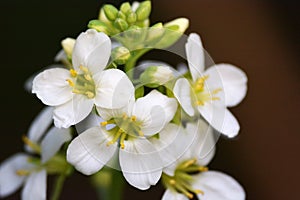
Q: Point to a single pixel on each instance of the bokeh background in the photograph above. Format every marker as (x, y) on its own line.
(262, 37)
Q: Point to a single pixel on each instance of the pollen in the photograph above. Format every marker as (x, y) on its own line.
(73, 72)
(104, 123)
(71, 83)
(84, 69)
(172, 182)
(133, 118)
(203, 169)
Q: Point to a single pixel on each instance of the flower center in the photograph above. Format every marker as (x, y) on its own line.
(202, 95)
(183, 177)
(83, 83)
(125, 127)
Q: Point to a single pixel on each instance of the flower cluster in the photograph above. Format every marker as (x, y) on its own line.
(150, 120)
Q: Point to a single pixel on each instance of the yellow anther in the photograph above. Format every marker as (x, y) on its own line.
(89, 94)
(84, 69)
(215, 98)
(104, 123)
(172, 182)
(73, 72)
(189, 163)
(31, 144)
(189, 195)
(200, 103)
(216, 91)
(88, 77)
(109, 143)
(122, 139)
(199, 192)
(71, 83)
(22, 172)
(124, 116)
(133, 118)
(141, 133)
(203, 169)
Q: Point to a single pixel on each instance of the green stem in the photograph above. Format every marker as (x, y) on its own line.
(58, 187)
(133, 59)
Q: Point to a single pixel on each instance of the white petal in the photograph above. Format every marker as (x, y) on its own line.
(140, 163)
(234, 82)
(114, 89)
(89, 152)
(195, 55)
(92, 120)
(172, 195)
(221, 119)
(51, 86)
(9, 180)
(218, 186)
(40, 124)
(35, 186)
(91, 50)
(203, 147)
(155, 110)
(73, 111)
(52, 142)
(172, 144)
(182, 92)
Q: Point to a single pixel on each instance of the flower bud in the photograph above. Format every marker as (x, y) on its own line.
(154, 34)
(173, 31)
(110, 12)
(99, 26)
(68, 45)
(181, 23)
(121, 15)
(125, 7)
(154, 76)
(143, 11)
(121, 24)
(120, 55)
(131, 17)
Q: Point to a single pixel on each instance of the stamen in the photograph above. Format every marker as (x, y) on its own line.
(122, 139)
(216, 91)
(125, 116)
(84, 69)
(141, 133)
(203, 169)
(73, 72)
(172, 182)
(104, 123)
(88, 77)
(89, 94)
(31, 144)
(71, 83)
(200, 103)
(116, 137)
(199, 191)
(133, 118)
(22, 172)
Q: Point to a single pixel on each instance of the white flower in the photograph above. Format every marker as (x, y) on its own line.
(32, 171)
(74, 92)
(212, 90)
(188, 176)
(134, 124)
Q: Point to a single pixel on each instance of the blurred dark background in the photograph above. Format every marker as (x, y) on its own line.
(262, 37)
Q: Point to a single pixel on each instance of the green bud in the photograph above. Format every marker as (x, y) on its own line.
(121, 24)
(154, 34)
(143, 11)
(139, 92)
(173, 31)
(68, 45)
(110, 12)
(121, 15)
(143, 24)
(103, 17)
(120, 55)
(125, 7)
(99, 26)
(131, 17)
(154, 76)
(181, 23)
